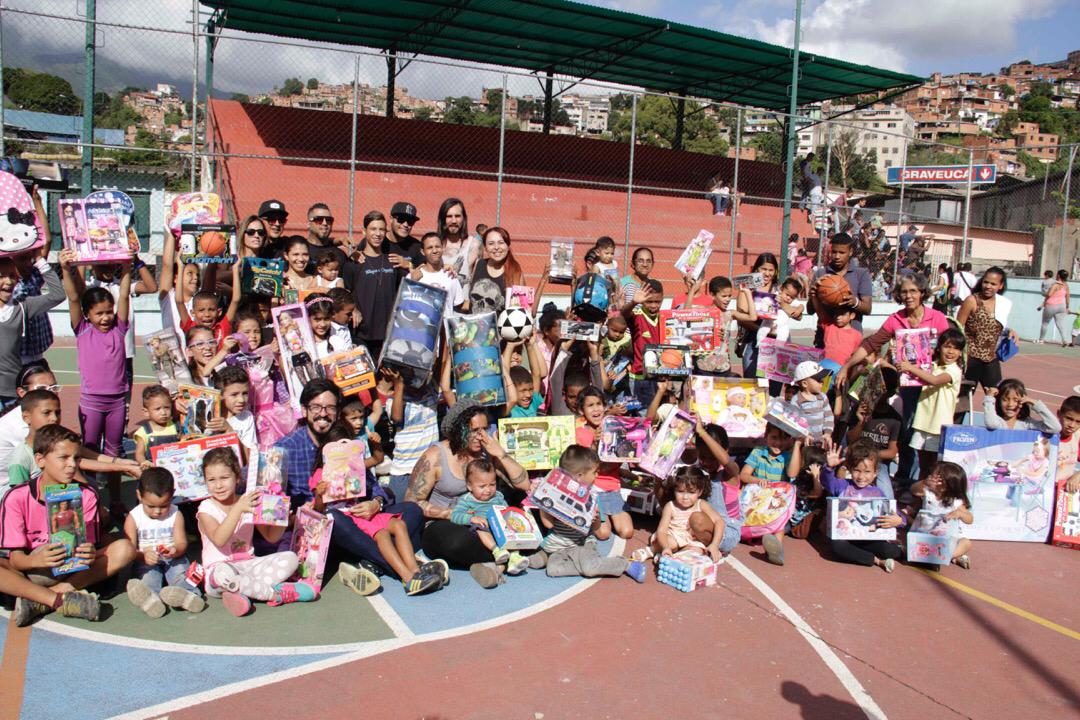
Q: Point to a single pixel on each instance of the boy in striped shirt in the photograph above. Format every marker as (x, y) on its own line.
(813, 403)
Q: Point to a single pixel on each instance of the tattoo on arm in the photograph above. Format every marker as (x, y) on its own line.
(421, 482)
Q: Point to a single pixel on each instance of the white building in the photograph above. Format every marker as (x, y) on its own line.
(881, 129)
(588, 113)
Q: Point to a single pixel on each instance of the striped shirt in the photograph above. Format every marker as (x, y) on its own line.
(419, 429)
(818, 414)
(766, 465)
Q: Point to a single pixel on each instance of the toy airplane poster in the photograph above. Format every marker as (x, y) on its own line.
(202, 404)
(696, 328)
(1011, 477)
(184, 460)
(262, 276)
(167, 359)
(778, 360)
(67, 524)
(351, 370)
(297, 347)
(738, 405)
(856, 518)
(914, 346)
(623, 439)
(311, 543)
(477, 367)
(668, 443)
(696, 255)
(537, 443)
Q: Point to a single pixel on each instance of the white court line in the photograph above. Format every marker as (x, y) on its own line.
(835, 664)
(1044, 392)
(76, 372)
(389, 616)
(369, 649)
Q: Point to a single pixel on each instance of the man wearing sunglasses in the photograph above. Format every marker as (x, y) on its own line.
(320, 227)
(400, 240)
(275, 215)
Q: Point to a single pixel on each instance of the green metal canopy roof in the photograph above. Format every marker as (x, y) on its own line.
(566, 38)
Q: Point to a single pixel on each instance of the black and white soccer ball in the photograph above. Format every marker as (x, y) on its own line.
(515, 324)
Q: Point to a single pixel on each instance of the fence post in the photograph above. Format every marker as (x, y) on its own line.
(733, 206)
(1065, 210)
(352, 151)
(87, 181)
(899, 215)
(828, 168)
(502, 149)
(966, 251)
(195, 91)
(630, 180)
(2, 153)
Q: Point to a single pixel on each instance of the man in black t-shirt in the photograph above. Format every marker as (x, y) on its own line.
(320, 227)
(373, 283)
(399, 240)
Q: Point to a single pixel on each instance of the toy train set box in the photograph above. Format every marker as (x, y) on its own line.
(687, 570)
(184, 460)
(513, 528)
(67, 524)
(1066, 518)
(563, 497)
(537, 443)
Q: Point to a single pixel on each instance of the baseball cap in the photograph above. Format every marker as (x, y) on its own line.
(270, 207)
(404, 208)
(809, 369)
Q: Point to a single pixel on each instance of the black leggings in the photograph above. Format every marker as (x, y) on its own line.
(456, 544)
(863, 552)
(354, 543)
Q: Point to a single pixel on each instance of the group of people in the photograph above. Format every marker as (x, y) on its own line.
(434, 463)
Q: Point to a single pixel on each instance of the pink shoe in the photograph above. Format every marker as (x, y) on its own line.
(289, 592)
(236, 603)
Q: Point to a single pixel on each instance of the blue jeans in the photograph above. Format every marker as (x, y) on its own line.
(167, 572)
(398, 485)
(884, 481)
(644, 391)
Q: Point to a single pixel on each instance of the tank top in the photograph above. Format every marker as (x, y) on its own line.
(487, 293)
(151, 532)
(982, 331)
(450, 487)
(680, 519)
(1057, 294)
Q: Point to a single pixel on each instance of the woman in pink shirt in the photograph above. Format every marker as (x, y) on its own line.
(1056, 309)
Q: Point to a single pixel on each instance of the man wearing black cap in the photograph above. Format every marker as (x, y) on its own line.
(273, 212)
(400, 240)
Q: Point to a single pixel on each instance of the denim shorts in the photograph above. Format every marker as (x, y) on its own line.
(611, 503)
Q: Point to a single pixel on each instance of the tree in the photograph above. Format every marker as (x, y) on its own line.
(459, 111)
(40, 92)
(845, 148)
(115, 113)
(240, 97)
(1007, 123)
(656, 124)
(769, 146)
(291, 86)
(313, 84)
(423, 113)
(1007, 91)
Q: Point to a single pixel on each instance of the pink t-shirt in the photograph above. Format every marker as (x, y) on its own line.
(102, 358)
(899, 320)
(24, 520)
(237, 547)
(840, 342)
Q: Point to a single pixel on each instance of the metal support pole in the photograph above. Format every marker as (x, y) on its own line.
(733, 206)
(899, 217)
(2, 153)
(680, 121)
(391, 81)
(828, 169)
(194, 91)
(208, 82)
(792, 109)
(965, 250)
(630, 181)
(548, 89)
(1065, 210)
(352, 151)
(502, 152)
(87, 182)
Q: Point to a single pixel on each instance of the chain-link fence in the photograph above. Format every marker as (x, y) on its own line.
(305, 122)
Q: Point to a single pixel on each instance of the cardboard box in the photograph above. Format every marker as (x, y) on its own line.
(562, 262)
(787, 416)
(202, 405)
(537, 443)
(184, 460)
(513, 528)
(208, 243)
(412, 337)
(736, 404)
(97, 230)
(667, 445)
(931, 539)
(778, 360)
(343, 470)
(167, 359)
(579, 330)
(563, 497)
(353, 371)
(297, 347)
(687, 570)
(67, 524)
(311, 543)
(696, 328)
(262, 276)
(623, 439)
(854, 518)
(476, 367)
(667, 361)
(693, 259)
(1066, 518)
(914, 346)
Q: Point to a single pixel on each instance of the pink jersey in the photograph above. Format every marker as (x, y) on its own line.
(24, 520)
(237, 547)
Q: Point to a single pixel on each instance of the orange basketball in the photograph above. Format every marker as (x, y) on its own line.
(213, 243)
(833, 290)
(671, 358)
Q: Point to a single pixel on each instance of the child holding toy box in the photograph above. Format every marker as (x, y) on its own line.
(686, 516)
(944, 492)
(472, 507)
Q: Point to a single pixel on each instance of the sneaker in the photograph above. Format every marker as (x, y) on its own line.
(774, 549)
(359, 579)
(421, 583)
(963, 561)
(438, 567)
(372, 567)
(142, 597)
(636, 570)
(889, 565)
(642, 554)
(236, 603)
(180, 599)
(517, 564)
(486, 575)
(80, 604)
(224, 577)
(27, 611)
(290, 592)
(501, 555)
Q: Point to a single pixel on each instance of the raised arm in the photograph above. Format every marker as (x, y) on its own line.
(123, 302)
(71, 287)
(168, 266)
(234, 301)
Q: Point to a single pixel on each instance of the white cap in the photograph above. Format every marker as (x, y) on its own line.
(809, 369)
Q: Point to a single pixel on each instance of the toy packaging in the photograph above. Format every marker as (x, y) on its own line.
(262, 276)
(270, 509)
(687, 570)
(1011, 477)
(343, 470)
(96, 230)
(537, 443)
(765, 510)
(202, 405)
(562, 262)
(667, 361)
(667, 445)
(778, 360)
(618, 368)
(311, 543)
(184, 460)
(272, 506)
(351, 370)
(868, 389)
(696, 328)
(208, 243)
(579, 330)
(477, 367)
(20, 228)
(623, 439)
(412, 337)
(694, 258)
(167, 359)
(194, 209)
(748, 281)
(67, 524)
(738, 405)
(914, 346)
(931, 539)
(121, 200)
(521, 296)
(855, 518)
(297, 347)
(513, 528)
(1066, 518)
(563, 497)
(640, 501)
(591, 297)
(765, 304)
(788, 417)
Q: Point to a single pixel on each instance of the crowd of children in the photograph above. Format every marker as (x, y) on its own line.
(434, 465)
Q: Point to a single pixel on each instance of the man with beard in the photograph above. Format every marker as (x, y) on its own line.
(460, 250)
(320, 402)
(274, 214)
(320, 227)
(858, 279)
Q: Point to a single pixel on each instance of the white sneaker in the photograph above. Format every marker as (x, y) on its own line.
(360, 580)
(889, 565)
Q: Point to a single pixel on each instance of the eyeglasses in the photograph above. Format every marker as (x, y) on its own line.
(642, 261)
(253, 232)
(402, 220)
(274, 219)
(202, 343)
(322, 409)
(320, 219)
(50, 388)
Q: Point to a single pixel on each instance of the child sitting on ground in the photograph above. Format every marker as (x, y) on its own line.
(813, 403)
(156, 528)
(567, 552)
(1011, 409)
(944, 492)
(160, 425)
(771, 463)
(472, 507)
(1069, 447)
(25, 531)
(686, 515)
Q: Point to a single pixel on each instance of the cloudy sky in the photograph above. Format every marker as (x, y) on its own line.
(917, 36)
